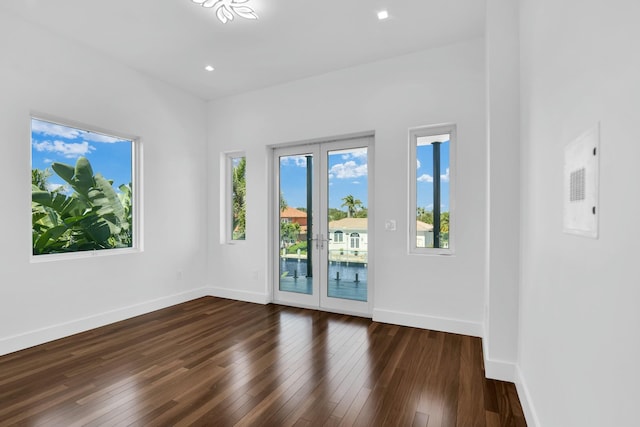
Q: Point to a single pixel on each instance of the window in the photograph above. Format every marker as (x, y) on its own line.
(432, 181)
(355, 241)
(83, 190)
(338, 237)
(237, 164)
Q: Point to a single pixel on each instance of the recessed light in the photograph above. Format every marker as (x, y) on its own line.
(209, 68)
(383, 14)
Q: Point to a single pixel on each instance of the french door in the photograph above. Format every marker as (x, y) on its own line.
(322, 233)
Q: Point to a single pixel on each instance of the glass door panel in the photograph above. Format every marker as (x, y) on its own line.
(296, 274)
(347, 224)
(344, 188)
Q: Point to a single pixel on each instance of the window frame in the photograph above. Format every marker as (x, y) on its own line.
(227, 203)
(354, 241)
(414, 134)
(136, 189)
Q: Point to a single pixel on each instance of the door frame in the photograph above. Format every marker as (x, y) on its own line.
(364, 309)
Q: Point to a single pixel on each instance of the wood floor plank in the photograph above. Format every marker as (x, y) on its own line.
(220, 362)
(471, 391)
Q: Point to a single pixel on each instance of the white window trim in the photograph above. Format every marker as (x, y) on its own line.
(226, 193)
(414, 134)
(136, 186)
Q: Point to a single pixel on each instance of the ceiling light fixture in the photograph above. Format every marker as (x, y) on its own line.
(226, 9)
(209, 68)
(383, 14)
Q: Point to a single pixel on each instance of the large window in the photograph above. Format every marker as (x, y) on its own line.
(432, 180)
(82, 189)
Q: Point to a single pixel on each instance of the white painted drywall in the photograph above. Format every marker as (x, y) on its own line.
(503, 214)
(580, 322)
(388, 97)
(42, 72)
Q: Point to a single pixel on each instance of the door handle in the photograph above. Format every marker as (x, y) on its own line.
(319, 239)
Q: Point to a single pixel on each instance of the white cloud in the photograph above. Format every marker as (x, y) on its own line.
(348, 169)
(428, 178)
(358, 153)
(419, 164)
(356, 182)
(66, 132)
(300, 161)
(68, 150)
(54, 187)
(425, 178)
(52, 129)
(98, 137)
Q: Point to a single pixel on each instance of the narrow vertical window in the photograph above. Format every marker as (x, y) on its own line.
(238, 166)
(432, 168)
(83, 190)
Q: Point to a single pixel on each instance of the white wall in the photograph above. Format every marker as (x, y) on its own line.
(580, 322)
(388, 97)
(44, 73)
(503, 195)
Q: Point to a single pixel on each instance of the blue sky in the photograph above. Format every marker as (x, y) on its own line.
(424, 175)
(108, 155)
(348, 175)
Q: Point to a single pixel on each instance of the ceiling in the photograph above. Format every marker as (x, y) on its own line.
(173, 40)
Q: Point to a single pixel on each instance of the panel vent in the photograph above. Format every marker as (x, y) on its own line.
(577, 185)
(581, 170)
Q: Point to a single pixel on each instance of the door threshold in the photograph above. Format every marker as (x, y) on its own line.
(325, 309)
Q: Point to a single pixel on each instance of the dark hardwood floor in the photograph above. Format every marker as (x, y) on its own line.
(218, 362)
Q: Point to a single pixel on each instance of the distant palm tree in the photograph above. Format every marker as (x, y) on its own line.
(352, 204)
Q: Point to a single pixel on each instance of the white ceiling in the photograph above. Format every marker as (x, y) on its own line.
(173, 40)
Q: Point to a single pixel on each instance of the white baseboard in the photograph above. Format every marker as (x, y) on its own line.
(500, 370)
(245, 296)
(442, 324)
(497, 369)
(51, 333)
(526, 402)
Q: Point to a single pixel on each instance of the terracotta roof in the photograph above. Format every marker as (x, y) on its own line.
(292, 213)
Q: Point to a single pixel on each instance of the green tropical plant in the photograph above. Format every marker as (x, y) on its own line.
(362, 213)
(336, 214)
(93, 217)
(40, 178)
(239, 199)
(293, 249)
(289, 231)
(444, 222)
(426, 216)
